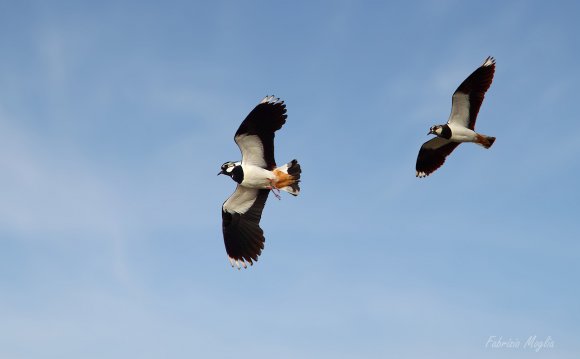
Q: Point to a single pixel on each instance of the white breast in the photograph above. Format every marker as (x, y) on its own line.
(461, 134)
(256, 177)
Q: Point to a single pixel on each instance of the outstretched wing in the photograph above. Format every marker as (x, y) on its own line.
(241, 213)
(255, 137)
(432, 155)
(469, 95)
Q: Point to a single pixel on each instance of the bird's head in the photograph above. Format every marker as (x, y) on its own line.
(436, 130)
(228, 167)
(234, 170)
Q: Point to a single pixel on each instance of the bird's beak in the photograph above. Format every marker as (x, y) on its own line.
(221, 172)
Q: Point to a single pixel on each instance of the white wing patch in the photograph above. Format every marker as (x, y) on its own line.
(241, 201)
(252, 150)
(459, 109)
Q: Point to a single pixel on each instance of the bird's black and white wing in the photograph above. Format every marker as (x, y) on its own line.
(241, 213)
(469, 95)
(432, 155)
(255, 137)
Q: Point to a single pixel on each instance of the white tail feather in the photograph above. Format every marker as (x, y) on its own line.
(293, 170)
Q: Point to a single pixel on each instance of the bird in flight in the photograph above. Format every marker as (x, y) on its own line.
(256, 176)
(460, 127)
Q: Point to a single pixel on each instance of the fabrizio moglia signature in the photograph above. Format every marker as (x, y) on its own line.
(533, 342)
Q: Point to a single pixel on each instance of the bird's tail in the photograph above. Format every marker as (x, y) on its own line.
(485, 141)
(288, 177)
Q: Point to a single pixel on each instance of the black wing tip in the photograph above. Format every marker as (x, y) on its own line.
(243, 238)
(430, 160)
(245, 253)
(425, 170)
(240, 262)
(277, 103)
(267, 117)
(273, 100)
(248, 254)
(422, 173)
(489, 61)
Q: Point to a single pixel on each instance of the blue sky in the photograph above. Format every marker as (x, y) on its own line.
(115, 117)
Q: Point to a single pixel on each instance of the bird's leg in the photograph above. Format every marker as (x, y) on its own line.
(274, 190)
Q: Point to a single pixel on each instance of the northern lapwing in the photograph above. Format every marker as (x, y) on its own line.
(256, 175)
(460, 127)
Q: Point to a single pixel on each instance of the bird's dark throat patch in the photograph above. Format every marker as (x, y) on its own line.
(237, 174)
(445, 132)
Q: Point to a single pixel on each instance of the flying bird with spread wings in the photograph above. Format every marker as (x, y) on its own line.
(460, 127)
(256, 176)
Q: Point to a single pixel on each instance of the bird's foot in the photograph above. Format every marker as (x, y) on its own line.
(276, 193)
(274, 190)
